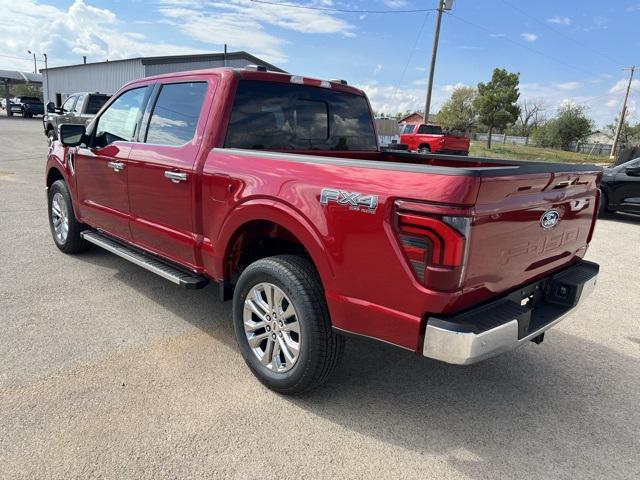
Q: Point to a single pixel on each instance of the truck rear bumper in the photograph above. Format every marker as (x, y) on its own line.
(510, 321)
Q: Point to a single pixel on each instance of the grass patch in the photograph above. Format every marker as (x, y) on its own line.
(522, 152)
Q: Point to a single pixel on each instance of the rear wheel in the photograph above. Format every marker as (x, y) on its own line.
(282, 324)
(65, 228)
(424, 149)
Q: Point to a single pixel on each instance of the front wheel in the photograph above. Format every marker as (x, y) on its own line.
(282, 324)
(65, 228)
(604, 204)
(51, 136)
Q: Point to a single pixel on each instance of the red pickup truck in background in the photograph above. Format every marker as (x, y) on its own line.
(432, 139)
(273, 186)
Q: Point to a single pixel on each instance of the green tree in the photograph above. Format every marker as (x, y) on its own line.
(458, 113)
(629, 134)
(496, 102)
(26, 91)
(571, 124)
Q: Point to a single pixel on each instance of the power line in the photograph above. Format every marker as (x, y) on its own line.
(21, 58)
(342, 10)
(413, 50)
(521, 45)
(562, 34)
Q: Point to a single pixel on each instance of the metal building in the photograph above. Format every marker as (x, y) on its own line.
(108, 77)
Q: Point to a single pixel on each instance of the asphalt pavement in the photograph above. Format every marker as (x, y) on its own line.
(108, 371)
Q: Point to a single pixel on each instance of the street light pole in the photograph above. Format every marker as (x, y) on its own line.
(35, 67)
(614, 147)
(46, 72)
(442, 5)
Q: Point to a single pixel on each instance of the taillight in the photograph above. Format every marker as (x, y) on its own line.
(435, 246)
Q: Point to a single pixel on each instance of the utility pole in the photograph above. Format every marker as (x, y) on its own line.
(442, 5)
(622, 114)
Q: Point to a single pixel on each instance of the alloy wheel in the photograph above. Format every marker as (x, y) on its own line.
(271, 327)
(60, 217)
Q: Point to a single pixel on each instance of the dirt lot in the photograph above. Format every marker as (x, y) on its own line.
(108, 371)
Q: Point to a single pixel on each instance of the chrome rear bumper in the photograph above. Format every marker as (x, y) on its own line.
(510, 321)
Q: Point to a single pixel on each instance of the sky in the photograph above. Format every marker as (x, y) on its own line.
(569, 51)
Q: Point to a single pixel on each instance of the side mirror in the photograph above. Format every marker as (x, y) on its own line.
(71, 135)
(51, 107)
(632, 171)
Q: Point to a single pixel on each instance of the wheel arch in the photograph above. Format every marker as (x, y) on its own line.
(257, 229)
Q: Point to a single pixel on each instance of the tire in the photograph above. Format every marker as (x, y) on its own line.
(62, 218)
(604, 204)
(303, 303)
(424, 149)
(51, 135)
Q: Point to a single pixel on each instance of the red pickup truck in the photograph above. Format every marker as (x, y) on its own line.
(273, 186)
(432, 139)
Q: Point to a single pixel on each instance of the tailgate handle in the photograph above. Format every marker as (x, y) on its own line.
(565, 183)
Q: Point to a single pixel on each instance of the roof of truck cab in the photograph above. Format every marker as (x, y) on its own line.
(246, 74)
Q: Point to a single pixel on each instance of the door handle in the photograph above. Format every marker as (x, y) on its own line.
(175, 177)
(116, 166)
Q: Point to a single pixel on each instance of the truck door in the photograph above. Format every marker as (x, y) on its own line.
(101, 167)
(162, 179)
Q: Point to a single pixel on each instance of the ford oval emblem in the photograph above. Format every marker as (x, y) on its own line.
(549, 219)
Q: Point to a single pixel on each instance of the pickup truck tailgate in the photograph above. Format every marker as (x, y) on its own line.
(526, 226)
(456, 142)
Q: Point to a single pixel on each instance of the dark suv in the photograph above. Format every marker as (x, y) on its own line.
(78, 109)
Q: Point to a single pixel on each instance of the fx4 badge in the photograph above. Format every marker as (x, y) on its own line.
(355, 201)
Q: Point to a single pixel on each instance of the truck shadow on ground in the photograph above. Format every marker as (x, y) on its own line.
(568, 408)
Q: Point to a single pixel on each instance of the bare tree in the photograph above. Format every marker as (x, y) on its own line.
(532, 115)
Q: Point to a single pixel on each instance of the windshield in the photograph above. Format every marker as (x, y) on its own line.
(407, 129)
(30, 100)
(284, 116)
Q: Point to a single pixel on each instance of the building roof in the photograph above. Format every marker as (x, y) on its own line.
(432, 116)
(14, 76)
(186, 58)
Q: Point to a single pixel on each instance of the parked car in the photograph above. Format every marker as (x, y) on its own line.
(26, 106)
(432, 139)
(620, 188)
(273, 186)
(78, 109)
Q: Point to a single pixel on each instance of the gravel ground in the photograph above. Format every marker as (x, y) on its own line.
(108, 371)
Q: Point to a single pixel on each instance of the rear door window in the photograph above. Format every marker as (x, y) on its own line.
(175, 113)
(285, 116)
(95, 103)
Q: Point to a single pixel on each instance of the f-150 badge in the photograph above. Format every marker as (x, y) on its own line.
(354, 200)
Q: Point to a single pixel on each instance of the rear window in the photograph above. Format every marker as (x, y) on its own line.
(285, 116)
(95, 103)
(430, 130)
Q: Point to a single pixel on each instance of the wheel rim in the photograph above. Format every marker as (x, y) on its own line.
(50, 137)
(271, 327)
(60, 217)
